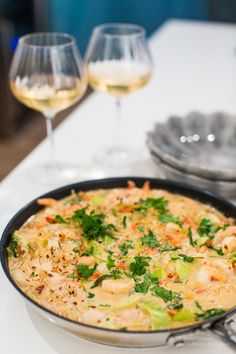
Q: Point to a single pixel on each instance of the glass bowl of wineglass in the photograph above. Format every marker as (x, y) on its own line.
(118, 63)
(47, 75)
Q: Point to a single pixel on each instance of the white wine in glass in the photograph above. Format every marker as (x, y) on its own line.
(47, 75)
(118, 63)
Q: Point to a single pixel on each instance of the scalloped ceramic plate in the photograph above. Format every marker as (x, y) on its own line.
(203, 145)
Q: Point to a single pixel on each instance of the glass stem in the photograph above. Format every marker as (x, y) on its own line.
(50, 138)
(117, 132)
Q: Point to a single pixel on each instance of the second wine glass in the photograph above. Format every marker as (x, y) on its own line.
(118, 63)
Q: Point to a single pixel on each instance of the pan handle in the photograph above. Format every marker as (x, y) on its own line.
(224, 329)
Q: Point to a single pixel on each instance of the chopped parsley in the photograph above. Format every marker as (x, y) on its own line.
(124, 222)
(110, 262)
(148, 279)
(115, 274)
(159, 204)
(13, 248)
(144, 286)
(140, 228)
(183, 257)
(173, 298)
(190, 236)
(84, 272)
(198, 305)
(76, 249)
(114, 212)
(209, 313)
(90, 295)
(168, 217)
(93, 225)
(150, 240)
(138, 266)
(219, 251)
(89, 251)
(163, 293)
(206, 228)
(124, 248)
(59, 219)
(163, 248)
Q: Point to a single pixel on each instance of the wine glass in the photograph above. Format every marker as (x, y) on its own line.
(47, 75)
(118, 63)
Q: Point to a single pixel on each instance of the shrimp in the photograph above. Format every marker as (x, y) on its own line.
(46, 201)
(229, 244)
(173, 233)
(146, 186)
(118, 286)
(130, 314)
(131, 185)
(222, 234)
(92, 316)
(218, 270)
(171, 228)
(87, 260)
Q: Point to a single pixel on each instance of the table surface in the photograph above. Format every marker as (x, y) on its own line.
(194, 69)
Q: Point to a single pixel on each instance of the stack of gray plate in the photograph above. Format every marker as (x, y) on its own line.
(198, 149)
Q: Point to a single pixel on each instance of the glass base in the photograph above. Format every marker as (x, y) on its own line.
(120, 157)
(56, 173)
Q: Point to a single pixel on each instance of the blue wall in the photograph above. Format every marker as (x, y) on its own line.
(78, 17)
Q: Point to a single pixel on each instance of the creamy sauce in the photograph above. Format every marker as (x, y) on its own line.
(127, 258)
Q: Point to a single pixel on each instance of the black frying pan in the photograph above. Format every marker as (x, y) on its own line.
(221, 324)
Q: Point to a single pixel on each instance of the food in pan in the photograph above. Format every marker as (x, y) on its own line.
(136, 259)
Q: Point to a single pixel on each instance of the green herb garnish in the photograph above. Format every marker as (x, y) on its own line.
(190, 236)
(164, 294)
(89, 251)
(90, 295)
(58, 218)
(140, 228)
(209, 313)
(124, 222)
(110, 262)
(114, 212)
(173, 298)
(138, 266)
(219, 251)
(168, 217)
(83, 271)
(198, 305)
(115, 274)
(159, 204)
(93, 225)
(163, 248)
(206, 228)
(124, 248)
(143, 287)
(13, 248)
(183, 257)
(150, 240)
